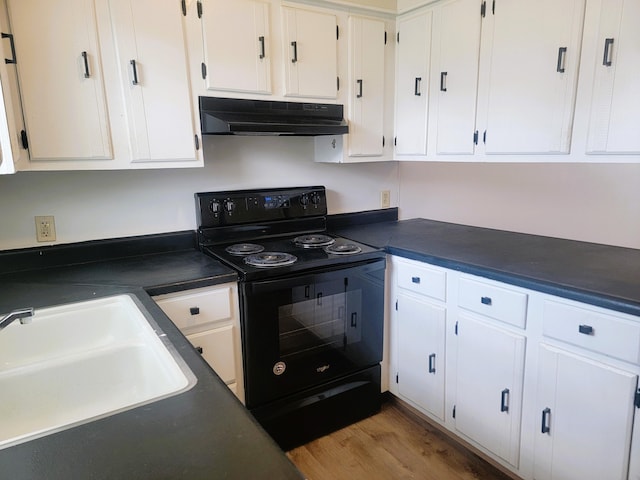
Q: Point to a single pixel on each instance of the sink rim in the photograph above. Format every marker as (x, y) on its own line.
(191, 379)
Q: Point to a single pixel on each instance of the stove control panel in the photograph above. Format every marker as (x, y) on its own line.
(215, 209)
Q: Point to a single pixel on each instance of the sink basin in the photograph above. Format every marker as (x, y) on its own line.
(79, 362)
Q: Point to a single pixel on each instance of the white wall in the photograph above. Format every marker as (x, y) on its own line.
(589, 202)
(109, 204)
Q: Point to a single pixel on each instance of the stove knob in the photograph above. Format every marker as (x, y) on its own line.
(315, 198)
(304, 199)
(229, 206)
(214, 206)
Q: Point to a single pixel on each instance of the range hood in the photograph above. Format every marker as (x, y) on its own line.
(233, 116)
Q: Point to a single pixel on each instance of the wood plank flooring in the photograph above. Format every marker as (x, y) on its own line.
(394, 444)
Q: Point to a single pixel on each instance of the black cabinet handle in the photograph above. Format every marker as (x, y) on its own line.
(354, 319)
(261, 40)
(504, 400)
(135, 72)
(13, 48)
(585, 329)
(546, 413)
(606, 60)
(562, 53)
(194, 310)
(485, 300)
(87, 73)
(417, 86)
(199, 350)
(294, 44)
(443, 81)
(432, 363)
(415, 279)
(359, 82)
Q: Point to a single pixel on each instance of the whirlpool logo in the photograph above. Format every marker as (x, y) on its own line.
(323, 368)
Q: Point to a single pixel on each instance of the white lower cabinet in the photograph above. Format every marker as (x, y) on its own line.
(420, 364)
(489, 379)
(544, 386)
(208, 317)
(585, 413)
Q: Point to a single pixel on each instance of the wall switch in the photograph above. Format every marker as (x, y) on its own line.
(45, 229)
(385, 199)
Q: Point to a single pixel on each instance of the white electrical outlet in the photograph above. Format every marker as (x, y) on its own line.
(385, 199)
(45, 229)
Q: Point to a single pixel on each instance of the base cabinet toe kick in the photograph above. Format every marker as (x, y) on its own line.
(544, 386)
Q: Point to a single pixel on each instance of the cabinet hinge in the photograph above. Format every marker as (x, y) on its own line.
(338, 83)
(483, 9)
(184, 8)
(456, 328)
(637, 399)
(337, 32)
(475, 137)
(204, 71)
(199, 5)
(396, 378)
(453, 414)
(385, 37)
(197, 142)
(24, 140)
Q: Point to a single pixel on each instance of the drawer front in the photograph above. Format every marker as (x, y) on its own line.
(422, 279)
(503, 304)
(197, 309)
(597, 331)
(217, 350)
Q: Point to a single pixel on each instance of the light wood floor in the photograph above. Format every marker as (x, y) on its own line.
(394, 444)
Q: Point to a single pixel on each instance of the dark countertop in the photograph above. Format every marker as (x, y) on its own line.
(202, 433)
(601, 275)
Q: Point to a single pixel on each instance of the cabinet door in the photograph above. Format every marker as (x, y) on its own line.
(217, 348)
(420, 347)
(310, 55)
(366, 86)
(615, 105)
(412, 83)
(454, 77)
(155, 84)
(530, 65)
(237, 45)
(583, 432)
(489, 378)
(60, 75)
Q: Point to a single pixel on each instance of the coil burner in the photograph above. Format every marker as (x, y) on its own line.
(343, 249)
(241, 249)
(270, 259)
(313, 240)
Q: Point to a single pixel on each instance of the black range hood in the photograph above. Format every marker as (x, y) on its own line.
(234, 116)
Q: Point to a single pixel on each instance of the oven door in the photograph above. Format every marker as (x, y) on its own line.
(299, 332)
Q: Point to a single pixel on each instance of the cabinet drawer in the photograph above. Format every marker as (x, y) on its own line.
(597, 331)
(217, 350)
(198, 308)
(503, 304)
(422, 279)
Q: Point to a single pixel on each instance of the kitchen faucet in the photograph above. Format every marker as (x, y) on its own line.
(22, 314)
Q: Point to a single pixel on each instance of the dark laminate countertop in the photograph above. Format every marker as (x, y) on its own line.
(202, 433)
(597, 274)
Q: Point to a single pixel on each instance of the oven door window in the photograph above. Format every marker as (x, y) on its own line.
(299, 332)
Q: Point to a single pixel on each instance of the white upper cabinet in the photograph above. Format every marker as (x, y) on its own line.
(152, 65)
(615, 104)
(310, 53)
(237, 45)
(528, 75)
(366, 86)
(61, 80)
(412, 83)
(454, 76)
